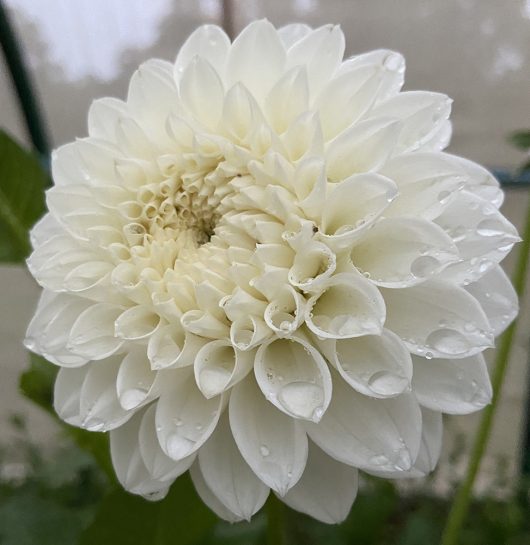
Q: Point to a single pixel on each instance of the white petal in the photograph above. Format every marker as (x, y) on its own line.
(430, 449)
(292, 33)
(294, 377)
(390, 62)
(452, 386)
(312, 266)
(208, 42)
(128, 464)
(427, 183)
(170, 346)
(421, 112)
(209, 498)
(184, 418)
(248, 331)
(136, 323)
(272, 444)
(400, 252)
(92, 335)
(160, 466)
(321, 51)
(438, 319)
(135, 382)
(347, 305)
(256, 58)
(364, 147)
(218, 366)
(326, 490)
(353, 206)
(347, 97)
(99, 406)
(201, 91)
(228, 476)
(498, 299)
(67, 394)
(103, 117)
(285, 313)
(371, 434)
(375, 365)
(287, 99)
(481, 233)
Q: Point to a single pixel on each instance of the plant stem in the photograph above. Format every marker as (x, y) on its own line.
(463, 496)
(276, 528)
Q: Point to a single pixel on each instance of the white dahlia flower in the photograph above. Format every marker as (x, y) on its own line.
(261, 267)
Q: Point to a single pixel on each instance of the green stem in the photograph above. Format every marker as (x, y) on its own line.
(276, 527)
(463, 496)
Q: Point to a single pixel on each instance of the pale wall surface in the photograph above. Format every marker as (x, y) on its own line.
(477, 51)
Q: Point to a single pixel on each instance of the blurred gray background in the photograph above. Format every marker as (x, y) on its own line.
(476, 51)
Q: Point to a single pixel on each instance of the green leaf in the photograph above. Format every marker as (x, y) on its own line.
(180, 519)
(520, 139)
(22, 183)
(37, 384)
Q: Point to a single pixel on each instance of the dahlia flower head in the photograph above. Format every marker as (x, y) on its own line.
(262, 268)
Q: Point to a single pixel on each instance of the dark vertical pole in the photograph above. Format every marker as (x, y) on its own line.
(228, 18)
(23, 86)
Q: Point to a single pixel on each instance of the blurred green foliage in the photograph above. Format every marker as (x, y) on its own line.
(22, 183)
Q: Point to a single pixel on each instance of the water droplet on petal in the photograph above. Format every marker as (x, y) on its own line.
(179, 447)
(490, 228)
(386, 383)
(429, 355)
(264, 450)
(301, 399)
(378, 460)
(132, 398)
(448, 341)
(213, 380)
(424, 266)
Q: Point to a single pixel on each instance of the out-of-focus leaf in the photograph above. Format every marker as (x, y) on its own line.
(180, 519)
(22, 182)
(183, 519)
(520, 139)
(123, 519)
(28, 519)
(37, 384)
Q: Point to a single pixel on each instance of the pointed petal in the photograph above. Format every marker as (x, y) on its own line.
(272, 444)
(209, 42)
(99, 405)
(371, 434)
(452, 386)
(375, 365)
(438, 319)
(292, 33)
(497, 297)
(135, 383)
(103, 116)
(347, 305)
(67, 394)
(207, 496)
(158, 464)
(228, 476)
(364, 147)
(353, 206)
(294, 377)
(321, 51)
(401, 252)
(184, 418)
(218, 366)
(422, 113)
(256, 58)
(128, 464)
(201, 91)
(326, 490)
(136, 323)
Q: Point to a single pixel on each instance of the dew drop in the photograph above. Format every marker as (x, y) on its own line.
(386, 383)
(378, 460)
(448, 341)
(429, 355)
(490, 228)
(264, 450)
(424, 266)
(178, 447)
(132, 398)
(213, 380)
(301, 398)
